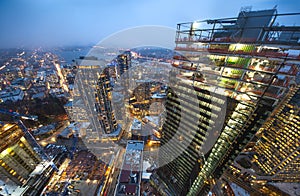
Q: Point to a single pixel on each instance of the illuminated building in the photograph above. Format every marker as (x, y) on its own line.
(123, 75)
(103, 103)
(68, 108)
(93, 95)
(123, 62)
(277, 150)
(237, 67)
(132, 169)
(17, 157)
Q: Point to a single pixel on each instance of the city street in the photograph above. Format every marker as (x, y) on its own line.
(53, 138)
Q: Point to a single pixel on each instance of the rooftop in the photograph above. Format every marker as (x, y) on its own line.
(159, 96)
(69, 104)
(136, 124)
(9, 93)
(131, 173)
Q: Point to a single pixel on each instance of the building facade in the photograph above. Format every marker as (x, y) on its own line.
(123, 62)
(17, 157)
(103, 103)
(240, 68)
(93, 94)
(277, 150)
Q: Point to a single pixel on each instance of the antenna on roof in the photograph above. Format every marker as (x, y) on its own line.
(275, 7)
(246, 9)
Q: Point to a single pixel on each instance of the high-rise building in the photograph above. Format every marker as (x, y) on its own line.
(93, 94)
(231, 74)
(103, 104)
(277, 150)
(123, 62)
(272, 155)
(17, 157)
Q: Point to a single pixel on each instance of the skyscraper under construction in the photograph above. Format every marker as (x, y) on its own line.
(230, 76)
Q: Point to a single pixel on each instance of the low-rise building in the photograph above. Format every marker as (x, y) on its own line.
(132, 169)
(13, 95)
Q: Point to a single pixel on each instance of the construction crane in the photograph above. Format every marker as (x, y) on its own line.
(17, 117)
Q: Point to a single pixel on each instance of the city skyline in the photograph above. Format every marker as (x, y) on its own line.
(177, 98)
(61, 23)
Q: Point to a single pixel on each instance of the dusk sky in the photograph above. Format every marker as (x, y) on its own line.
(32, 23)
